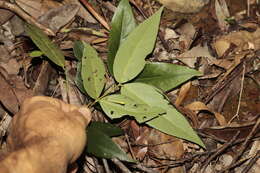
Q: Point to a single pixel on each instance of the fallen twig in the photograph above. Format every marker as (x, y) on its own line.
(222, 149)
(95, 14)
(251, 163)
(123, 168)
(16, 9)
(244, 145)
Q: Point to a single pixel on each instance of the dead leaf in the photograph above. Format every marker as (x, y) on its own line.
(244, 40)
(58, 17)
(165, 147)
(190, 57)
(83, 12)
(32, 7)
(12, 67)
(227, 132)
(187, 33)
(8, 98)
(5, 16)
(15, 92)
(183, 93)
(199, 106)
(184, 6)
(170, 34)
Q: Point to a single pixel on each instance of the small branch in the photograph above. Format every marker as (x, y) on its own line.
(144, 169)
(20, 12)
(95, 14)
(246, 142)
(240, 94)
(252, 162)
(106, 166)
(222, 149)
(243, 147)
(123, 168)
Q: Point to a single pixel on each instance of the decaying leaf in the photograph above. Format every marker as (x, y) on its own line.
(46, 135)
(243, 40)
(58, 17)
(198, 106)
(184, 6)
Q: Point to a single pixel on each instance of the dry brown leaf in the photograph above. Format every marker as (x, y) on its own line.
(244, 40)
(184, 6)
(14, 92)
(223, 63)
(83, 12)
(183, 93)
(58, 17)
(225, 133)
(190, 57)
(199, 106)
(187, 33)
(46, 135)
(5, 16)
(12, 67)
(166, 147)
(32, 7)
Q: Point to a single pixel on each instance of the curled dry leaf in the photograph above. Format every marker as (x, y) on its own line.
(46, 135)
(198, 106)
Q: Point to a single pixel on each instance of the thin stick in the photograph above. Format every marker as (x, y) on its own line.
(145, 169)
(123, 168)
(223, 148)
(95, 14)
(252, 162)
(20, 12)
(244, 146)
(106, 166)
(240, 95)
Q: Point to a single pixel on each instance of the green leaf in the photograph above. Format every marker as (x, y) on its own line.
(78, 49)
(107, 128)
(78, 79)
(122, 24)
(101, 145)
(35, 53)
(173, 122)
(165, 76)
(45, 45)
(130, 57)
(118, 105)
(92, 72)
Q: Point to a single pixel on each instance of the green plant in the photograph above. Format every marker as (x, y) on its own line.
(138, 90)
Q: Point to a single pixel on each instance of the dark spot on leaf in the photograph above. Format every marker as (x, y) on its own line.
(111, 112)
(162, 113)
(89, 79)
(135, 105)
(144, 117)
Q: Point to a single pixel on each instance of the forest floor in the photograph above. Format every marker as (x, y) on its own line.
(220, 39)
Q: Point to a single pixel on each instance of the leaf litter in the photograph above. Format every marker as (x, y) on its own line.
(223, 103)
